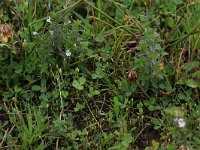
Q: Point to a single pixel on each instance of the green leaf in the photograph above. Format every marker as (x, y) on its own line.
(192, 83)
(153, 107)
(98, 70)
(43, 85)
(147, 148)
(18, 71)
(182, 96)
(127, 139)
(171, 147)
(189, 66)
(94, 76)
(98, 73)
(155, 145)
(141, 110)
(169, 88)
(17, 66)
(82, 80)
(36, 87)
(170, 22)
(100, 37)
(175, 111)
(77, 85)
(155, 121)
(17, 89)
(65, 94)
(196, 74)
(152, 100)
(146, 102)
(93, 92)
(79, 106)
(37, 26)
(96, 92)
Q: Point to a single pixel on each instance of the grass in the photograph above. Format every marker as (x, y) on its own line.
(99, 75)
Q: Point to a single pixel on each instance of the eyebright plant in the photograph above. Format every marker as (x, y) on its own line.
(148, 58)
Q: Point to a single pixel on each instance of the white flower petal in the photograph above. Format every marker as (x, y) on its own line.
(48, 20)
(68, 53)
(181, 123)
(35, 33)
(175, 119)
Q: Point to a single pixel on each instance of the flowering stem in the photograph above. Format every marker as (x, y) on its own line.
(65, 10)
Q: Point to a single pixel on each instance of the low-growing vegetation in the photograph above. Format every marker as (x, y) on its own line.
(99, 74)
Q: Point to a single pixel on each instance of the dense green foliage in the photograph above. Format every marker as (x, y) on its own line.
(101, 74)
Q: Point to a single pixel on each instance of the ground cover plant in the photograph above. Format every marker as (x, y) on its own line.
(99, 74)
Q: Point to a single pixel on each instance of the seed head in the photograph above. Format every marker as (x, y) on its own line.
(132, 75)
(6, 32)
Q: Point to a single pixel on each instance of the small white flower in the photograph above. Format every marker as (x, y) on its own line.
(175, 119)
(51, 32)
(181, 123)
(68, 53)
(35, 33)
(69, 22)
(48, 20)
(74, 44)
